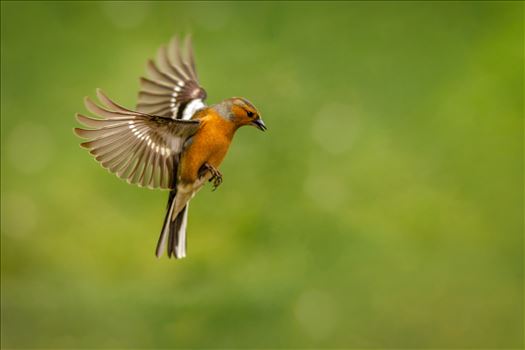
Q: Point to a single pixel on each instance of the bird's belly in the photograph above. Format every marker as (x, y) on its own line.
(203, 149)
(215, 159)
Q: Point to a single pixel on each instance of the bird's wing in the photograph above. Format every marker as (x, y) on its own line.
(172, 88)
(138, 147)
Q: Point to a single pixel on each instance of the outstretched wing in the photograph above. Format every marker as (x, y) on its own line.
(172, 88)
(141, 148)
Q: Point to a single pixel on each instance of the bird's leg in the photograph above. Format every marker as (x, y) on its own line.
(216, 176)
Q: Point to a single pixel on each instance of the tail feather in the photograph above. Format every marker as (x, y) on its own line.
(180, 247)
(177, 235)
(165, 225)
(174, 229)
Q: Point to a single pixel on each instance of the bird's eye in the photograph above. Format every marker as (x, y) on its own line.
(250, 114)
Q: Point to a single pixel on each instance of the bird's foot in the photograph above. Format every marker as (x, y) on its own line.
(216, 176)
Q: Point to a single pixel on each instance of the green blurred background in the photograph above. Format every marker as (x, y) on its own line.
(383, 208)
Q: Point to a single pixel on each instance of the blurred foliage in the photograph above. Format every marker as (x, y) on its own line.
(383, 208)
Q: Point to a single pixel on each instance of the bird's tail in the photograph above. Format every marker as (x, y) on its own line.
(174, 229)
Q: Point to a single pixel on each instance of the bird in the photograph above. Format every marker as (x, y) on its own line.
(172, 140)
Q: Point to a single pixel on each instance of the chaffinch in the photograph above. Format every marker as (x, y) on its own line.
(171, 141)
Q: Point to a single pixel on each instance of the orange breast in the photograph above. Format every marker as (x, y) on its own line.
(209, 145)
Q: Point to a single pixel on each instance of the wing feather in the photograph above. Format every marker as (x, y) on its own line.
(165, 63)
(181, 61)
(142, 148)
(172, 85)
(111, 104)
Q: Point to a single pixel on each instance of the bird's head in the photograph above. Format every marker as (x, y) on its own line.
(241, 112)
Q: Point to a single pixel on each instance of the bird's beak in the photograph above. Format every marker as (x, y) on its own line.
(259, 124)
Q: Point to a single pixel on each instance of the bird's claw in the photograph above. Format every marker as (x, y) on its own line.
(216, 176)
(217, 180)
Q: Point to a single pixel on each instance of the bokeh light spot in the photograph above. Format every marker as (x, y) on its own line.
(335, 128)
(316, 312)
(326, 190)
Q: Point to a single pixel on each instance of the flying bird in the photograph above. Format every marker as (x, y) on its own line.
(172, 140)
